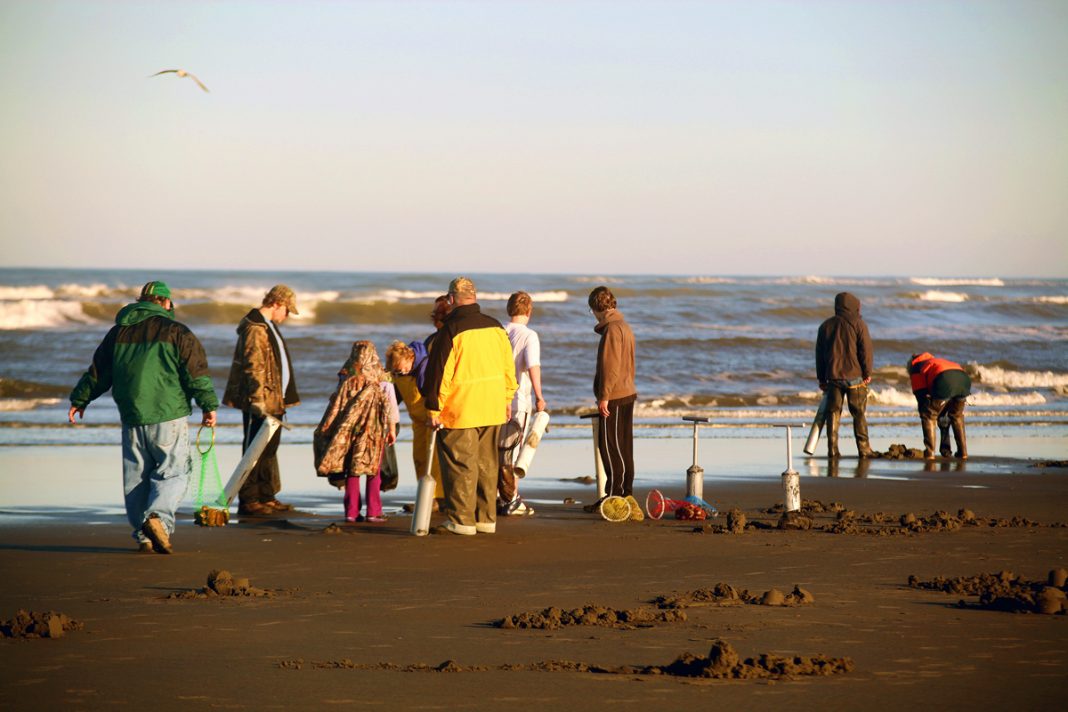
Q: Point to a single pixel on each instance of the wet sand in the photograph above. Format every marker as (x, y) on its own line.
(371, 617)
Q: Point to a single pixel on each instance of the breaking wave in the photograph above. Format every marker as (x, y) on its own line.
(951, 282)
(934, 295)
(41, 314)
(998, 376)
(1054, 299)
(895, 397)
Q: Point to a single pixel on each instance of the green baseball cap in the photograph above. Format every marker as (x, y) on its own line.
(156, 289)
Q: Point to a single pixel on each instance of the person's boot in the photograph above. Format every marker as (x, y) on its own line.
(929, 427)
(958, 435)
(833, 419)
(860, 433)
(943, 436)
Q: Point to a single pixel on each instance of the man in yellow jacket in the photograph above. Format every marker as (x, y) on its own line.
(468, 389)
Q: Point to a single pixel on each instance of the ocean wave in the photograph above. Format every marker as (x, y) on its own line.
(1009, 378)
(41, 313)
(956, 282)
(15, 388)
(37, 291)
(9, 405)
(934, 295)
(822, 281)
(706, 280)
(895, 397)
(1053, 299)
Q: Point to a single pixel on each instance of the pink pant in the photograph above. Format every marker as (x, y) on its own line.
(374, 496)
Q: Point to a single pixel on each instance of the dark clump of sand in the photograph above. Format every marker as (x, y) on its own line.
(898, 451)
(553, 618)
(221, 584)
(835, 518)
(722, 663)
(1005, 591)
(723, 594)
(31, 624)
(1051, 463)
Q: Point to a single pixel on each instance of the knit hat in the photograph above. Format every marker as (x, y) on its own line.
(281, 294)
(155, 289)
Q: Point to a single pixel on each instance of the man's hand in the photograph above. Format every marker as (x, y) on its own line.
(75, 409)
(391, 438)
(433, 421)
(602, 406)
(208, 421)
(867, 380)
(508, 412)
(539, 404)
(257, 410)
(823, 386)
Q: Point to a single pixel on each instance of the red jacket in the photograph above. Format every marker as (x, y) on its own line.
(925, 368)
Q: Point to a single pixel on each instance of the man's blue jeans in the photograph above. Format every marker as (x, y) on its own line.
(155, 471)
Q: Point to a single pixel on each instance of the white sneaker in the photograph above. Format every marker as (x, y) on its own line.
(486, 527)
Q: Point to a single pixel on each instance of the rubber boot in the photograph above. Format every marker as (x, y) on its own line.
(943, 436)
(833, 419)
(958, 435)
(929, 427)
(860, 433)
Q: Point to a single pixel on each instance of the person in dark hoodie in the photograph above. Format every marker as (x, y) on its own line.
(261, 383)
(843, 369)
(153, 366)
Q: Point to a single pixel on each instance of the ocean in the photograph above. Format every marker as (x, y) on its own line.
(738, 350)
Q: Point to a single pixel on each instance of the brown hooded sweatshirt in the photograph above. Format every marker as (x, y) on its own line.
(614, 379)
(843, 345)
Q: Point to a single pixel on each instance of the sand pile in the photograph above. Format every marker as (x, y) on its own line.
(553, 618)
(721, 663)
(898, 451)
(1005, 591)
(817, 516)
(723, 594)
(221, 584)
(31, 624)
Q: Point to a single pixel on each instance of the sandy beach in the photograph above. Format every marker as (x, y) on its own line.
(363, 615)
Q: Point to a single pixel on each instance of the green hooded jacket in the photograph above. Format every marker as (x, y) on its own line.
(153, 365)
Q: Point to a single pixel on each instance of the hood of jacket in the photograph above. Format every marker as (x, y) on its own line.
(253, 319)
(610, 316)
(847, 306)
(139, 311)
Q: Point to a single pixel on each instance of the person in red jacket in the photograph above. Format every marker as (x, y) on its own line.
(941, 388)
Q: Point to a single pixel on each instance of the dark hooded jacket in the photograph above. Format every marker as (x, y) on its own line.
(843, 345)
(153, 366)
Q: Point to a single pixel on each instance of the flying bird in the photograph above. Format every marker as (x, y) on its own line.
(181, 73)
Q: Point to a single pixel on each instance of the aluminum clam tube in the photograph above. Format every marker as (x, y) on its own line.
(598, 464)
(251, 457)
(424, 495)
(695, 475)
(817, 426)
(791, 480)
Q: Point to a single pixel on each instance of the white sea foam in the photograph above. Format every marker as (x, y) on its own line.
(37, 291)
(9, 405)
(1053, 299)
(708, 280)
(934, 295)
(895, 397)
(952, 282)
(994, 399)
(997, 376)
(40, 313)
(86, 291)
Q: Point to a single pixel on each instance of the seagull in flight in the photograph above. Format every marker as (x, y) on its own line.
(181, 73)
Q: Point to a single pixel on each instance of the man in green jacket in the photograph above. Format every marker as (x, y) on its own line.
(153, 366)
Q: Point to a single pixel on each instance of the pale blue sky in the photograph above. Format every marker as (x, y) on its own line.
(837, 138)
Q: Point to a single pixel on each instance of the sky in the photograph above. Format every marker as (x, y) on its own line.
(749, 137)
